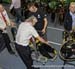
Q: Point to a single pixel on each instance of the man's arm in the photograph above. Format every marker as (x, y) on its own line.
(9, 22)
(42, 40)
(36, 35)
(45, 25)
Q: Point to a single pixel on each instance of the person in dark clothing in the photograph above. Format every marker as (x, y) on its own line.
(41, 25)
(69, 21)
(53, 16)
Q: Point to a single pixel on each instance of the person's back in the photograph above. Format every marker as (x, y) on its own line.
(41, 24)
(24, 33)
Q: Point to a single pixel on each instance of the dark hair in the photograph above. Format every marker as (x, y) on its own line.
(32, 4)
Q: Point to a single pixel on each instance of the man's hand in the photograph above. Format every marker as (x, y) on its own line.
(13, 24)
(43, 31)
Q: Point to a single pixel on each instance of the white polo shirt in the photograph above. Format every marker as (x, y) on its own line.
(24, 33)
(2, 23)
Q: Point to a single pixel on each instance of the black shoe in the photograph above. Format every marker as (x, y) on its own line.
(12, 52)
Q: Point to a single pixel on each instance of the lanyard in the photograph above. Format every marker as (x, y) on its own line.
(4, 19)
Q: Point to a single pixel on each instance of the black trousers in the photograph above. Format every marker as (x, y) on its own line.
(2, 42)
(6, 41)
(25, 54)
(53, 16)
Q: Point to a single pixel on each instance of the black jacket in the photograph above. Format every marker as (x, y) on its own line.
(68, 22)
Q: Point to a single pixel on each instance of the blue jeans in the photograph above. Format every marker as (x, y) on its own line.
(18, 15)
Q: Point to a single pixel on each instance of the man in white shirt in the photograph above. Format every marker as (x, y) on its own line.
(4, 22)
(24, 34)
(17, 6)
